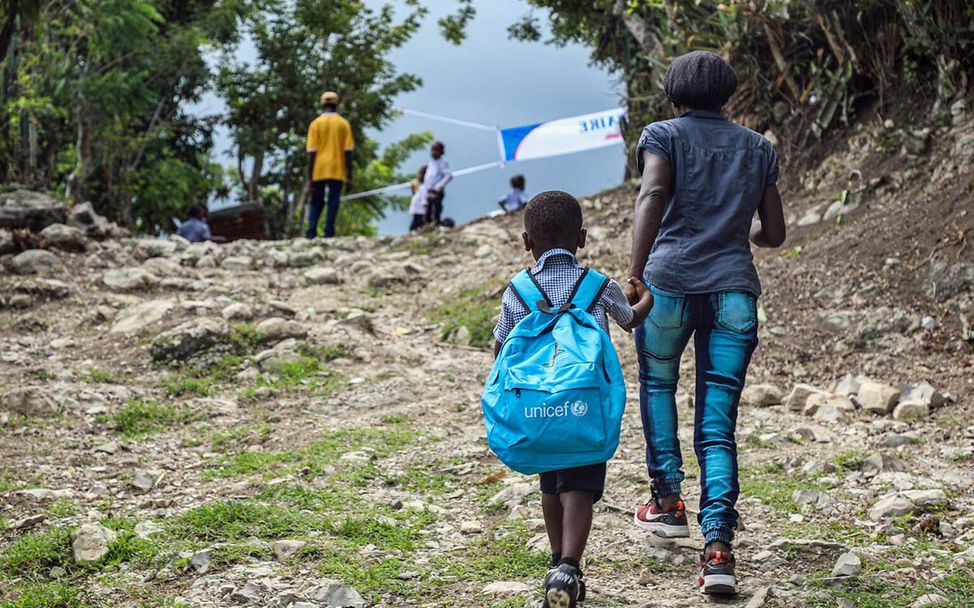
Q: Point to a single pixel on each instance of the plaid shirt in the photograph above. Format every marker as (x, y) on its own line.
(557, 271)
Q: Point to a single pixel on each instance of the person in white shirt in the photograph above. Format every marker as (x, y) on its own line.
(438, 175)
(417, 207)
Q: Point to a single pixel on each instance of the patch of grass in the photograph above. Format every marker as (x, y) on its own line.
(471, 308)
(236, 520)
(36, 594)
(222, 441)
(44, 375)
(138, 418)
(244, 338)
(32, 555)
(62, 508)
(849, 460)
(887, 592)
(328, 352)
(318, 455)
(306, 372)
(497, 555)
(102, 376)
(774, 490)
(203, 381)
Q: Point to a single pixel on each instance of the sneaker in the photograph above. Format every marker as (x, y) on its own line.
(668, 524)
(717, 574)
(562, 587)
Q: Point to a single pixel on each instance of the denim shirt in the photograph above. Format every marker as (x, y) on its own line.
(720, 170)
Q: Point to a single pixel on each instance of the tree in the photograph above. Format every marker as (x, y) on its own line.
(304, 47)
(802, 65)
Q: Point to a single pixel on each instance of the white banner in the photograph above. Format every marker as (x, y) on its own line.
(563, 136)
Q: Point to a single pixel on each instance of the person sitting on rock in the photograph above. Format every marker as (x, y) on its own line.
(196, 229)
(553, 234)
(516, 199)
(703, 179)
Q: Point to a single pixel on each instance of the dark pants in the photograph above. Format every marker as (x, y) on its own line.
(434, 208)
(419, 220)
(318, 203)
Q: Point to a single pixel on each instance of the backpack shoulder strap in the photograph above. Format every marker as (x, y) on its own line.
(527, 290)
(588, 289)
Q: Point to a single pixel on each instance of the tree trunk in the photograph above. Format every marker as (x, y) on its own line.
(82, 167)
(640, 30)
(253, 186)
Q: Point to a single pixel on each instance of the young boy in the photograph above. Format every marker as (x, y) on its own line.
(438, 175)
(417, 207)
(553, 234)
(516, 199)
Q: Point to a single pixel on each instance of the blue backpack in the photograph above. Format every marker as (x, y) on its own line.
(556, 394)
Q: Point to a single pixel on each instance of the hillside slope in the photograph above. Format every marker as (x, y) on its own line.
(297, 423)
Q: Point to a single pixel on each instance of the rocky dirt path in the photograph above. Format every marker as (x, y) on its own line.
(297, 424)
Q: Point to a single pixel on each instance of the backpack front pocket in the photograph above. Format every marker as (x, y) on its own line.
(566, 417)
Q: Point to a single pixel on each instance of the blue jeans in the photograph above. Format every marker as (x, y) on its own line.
(334, 187)
(724, 328)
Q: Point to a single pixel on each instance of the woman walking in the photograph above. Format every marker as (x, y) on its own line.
(703, 179)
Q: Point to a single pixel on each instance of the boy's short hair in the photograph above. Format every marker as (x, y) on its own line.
(700, 80)
(517, 182)
(197, 211)
(553, 217)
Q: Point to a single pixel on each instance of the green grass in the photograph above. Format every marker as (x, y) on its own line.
(317, 456)
(773, 488)
(472, 309)
(307, 373)
(62, 508)
(203, 381)
(32, 555)
(36, 594)
(887, 592)
(222, 441)
(139, 418)
(102, 376)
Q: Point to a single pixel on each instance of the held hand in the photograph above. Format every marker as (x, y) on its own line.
(631, 293)
(643, 295)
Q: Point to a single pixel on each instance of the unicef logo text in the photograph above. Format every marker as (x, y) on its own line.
(579, 408)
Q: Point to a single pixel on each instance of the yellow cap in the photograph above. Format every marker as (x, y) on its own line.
(329, 97)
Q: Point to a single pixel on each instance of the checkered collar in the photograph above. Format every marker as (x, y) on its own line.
(558, 254)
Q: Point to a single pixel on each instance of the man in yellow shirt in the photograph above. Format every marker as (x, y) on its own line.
(330, 146)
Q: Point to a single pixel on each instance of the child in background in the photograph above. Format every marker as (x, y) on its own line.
(417, 207)
(516, 200)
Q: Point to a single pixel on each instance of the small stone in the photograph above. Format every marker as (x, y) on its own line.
(927, 498)
(799, 394)
(848, 564)
(877, 398)
(877, 463)
(759, 598)
(929, 322)
(129, 278)
(848, 386)
(471, 527)
(90, 542)
(276, 328)
(237, 312)
(107, 448)
(248, 594)
(761, 395)
(286, 549)
(337, 595)
(28, 522)
(236, 263)
(145, 529)
(200, 561)
(813, 498)
(891, 506)
(143, 481)
(930, 599)
(322, 276)
(505, 588)
(911, 411)
(66, 238)
(187, 339)
(463, 336)
(844, 602)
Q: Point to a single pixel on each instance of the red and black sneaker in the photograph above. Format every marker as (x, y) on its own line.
(668, 524)
(717, 573)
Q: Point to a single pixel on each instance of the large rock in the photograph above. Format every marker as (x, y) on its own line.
(91, 542)
(187, 339)
(917, 402)
(66, 238)
(761, 395)
(927, 498)
(154, 248)
(129, 278)
(877, 397)
(32, 210)
(33, 261)
(948, 280)
(143, 314)
(848, 564)
(506, 588)
(891, 506)
(911, 411)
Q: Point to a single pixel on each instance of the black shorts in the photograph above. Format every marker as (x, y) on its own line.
(582, 479)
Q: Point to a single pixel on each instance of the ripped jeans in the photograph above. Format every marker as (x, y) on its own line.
(724, 328)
